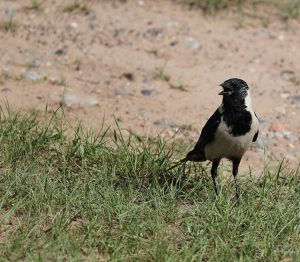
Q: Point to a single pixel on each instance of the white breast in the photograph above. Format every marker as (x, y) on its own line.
(225, 145)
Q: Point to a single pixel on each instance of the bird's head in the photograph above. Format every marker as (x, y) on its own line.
(234, 89)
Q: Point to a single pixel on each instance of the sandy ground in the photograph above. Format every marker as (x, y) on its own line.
(154, 65)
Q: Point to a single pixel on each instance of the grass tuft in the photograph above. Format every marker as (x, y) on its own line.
(76, 6)
(8, 25)
(76, 195)
(290, 7)
(211, 6)
(35, 5)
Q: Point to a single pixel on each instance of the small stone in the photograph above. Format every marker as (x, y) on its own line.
(173, 43)
(142, 111)
(261, 31)
(69, 100)
(164, 122)
(172, 24)
(89, 101)
(123, 90)
(276, 127)
(153, 32)
(295, 98)
(284, 95)
(172, 124)
(160, 122)
(74, 24)
(32, 76)
(5, 89)
(262, 121)
(289, 136)
(287, 74)
(129, 76)
(140, 2)
(192, 43)
(35, 63)
(60, 51)
(146, 92)
(281, 37)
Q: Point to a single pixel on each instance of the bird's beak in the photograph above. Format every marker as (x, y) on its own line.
(225, 92)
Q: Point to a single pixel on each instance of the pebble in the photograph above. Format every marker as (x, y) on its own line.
(173, 43)
(74, 24)
(192, 43)
(262, 121)
(284, 95)
(35, 63)
(295, 97)
(152, 32)
(32, 75)
(261, 31)
(123, 90)
(164, 122)
(146, 92)
(140, 2)
(89, 101)
(60, 51)
(289, 136)
(142, 111)
(5, 89)
(69, 100)
(287, 74)
(129, 76)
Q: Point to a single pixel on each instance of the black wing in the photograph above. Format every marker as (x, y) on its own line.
(256, 134)
(206, 136)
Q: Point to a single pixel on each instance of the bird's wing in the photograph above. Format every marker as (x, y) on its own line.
(256, 134)
(206, 136)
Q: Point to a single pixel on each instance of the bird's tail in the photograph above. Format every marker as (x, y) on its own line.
(180, 162)
(191, 156)
(195, 156)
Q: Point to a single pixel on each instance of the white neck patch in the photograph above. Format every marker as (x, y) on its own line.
(248, 101)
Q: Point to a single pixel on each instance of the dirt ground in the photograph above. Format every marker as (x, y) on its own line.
(155, 66)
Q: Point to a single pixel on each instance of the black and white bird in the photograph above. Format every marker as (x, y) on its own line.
(229, 132)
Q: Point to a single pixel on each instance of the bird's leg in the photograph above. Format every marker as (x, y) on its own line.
(235, 168)
(214, 173)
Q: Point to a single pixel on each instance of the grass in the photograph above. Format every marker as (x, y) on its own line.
(289, 8)
(76, 6)
(8, 25)
(35, 5)
(211, 6)
(66, 194)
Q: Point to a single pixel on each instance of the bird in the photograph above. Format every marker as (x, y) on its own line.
(228, 133)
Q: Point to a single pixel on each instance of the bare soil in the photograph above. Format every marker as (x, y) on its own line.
(155, 66)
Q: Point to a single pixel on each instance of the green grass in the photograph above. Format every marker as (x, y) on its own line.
(211, 6)
(76, 6)
(8, 25)
(289, 8)
(71, 195)
(35, 5)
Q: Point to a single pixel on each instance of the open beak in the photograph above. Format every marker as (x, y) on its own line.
(225, 92)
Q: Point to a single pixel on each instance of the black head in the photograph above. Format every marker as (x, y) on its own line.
(235, 89)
